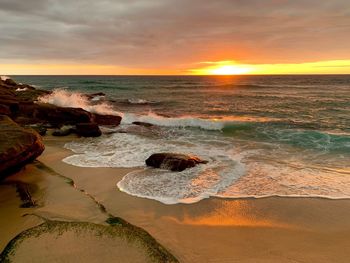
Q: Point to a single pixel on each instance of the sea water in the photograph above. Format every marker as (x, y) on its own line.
(262, 135)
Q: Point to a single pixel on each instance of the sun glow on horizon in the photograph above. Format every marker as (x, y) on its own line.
(227, 67)
(234, 68)
(222, 68)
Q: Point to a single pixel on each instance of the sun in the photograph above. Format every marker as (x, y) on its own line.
(222, 68)
(228, 70)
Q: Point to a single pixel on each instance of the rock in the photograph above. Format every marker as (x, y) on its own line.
(9, 100)
(28, 93)
(112, 120)
(39, 128)
(58, 116)
(5, 110)
(88, 130)
(142, 129)
(18, 146)
(10, 82)
(173, 161)
(63, 131)
(145, 124)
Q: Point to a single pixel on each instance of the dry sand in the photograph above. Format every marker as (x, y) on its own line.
(213, 230)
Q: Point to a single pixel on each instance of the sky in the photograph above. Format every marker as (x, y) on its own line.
(174, 36)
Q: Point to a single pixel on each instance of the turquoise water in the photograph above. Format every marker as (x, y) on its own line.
(263, 135)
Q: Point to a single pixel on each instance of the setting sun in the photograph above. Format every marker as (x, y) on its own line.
(230, 67)
(228, 70)
(222, 68)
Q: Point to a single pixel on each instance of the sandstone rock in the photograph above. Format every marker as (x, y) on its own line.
(88, 130)
(173, 161)
(18, 146)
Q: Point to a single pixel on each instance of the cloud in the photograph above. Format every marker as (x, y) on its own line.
(173, 34)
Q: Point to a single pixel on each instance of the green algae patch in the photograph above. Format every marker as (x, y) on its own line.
(85, 242)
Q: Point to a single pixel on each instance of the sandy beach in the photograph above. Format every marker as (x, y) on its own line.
(213, 230)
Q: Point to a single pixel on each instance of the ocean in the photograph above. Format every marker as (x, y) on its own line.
(262, 135)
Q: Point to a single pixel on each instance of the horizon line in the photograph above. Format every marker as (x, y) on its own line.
(184, 75)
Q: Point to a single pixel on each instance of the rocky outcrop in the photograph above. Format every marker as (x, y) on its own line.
(18, 146)
(173, 161)
(20, 102)
(88, 130)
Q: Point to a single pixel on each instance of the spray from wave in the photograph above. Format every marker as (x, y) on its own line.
(64, 98)
(4, 78)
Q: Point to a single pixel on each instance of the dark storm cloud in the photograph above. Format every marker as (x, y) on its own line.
(168, 32)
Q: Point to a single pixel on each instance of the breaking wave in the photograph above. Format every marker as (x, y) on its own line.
(64, 98)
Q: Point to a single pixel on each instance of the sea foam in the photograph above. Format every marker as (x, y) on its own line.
(128, 150)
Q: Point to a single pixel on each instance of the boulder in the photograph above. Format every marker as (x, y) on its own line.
(18, 146)
(111, 120)
(173, 161)
(39, 128)
(88, 130)
(63, 131)
(58, 116)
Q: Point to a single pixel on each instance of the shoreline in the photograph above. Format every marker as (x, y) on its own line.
(62, 212)
(190, 230)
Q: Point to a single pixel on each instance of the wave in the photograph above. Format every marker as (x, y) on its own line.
(233, 170)
(184, 121)
(128, 150)
(64, 98)
(260, 129)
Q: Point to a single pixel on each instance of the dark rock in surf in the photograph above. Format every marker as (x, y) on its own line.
(88, 130)
(39, 128)
(173, 161)
(145, 124)
(63, 131)
(108, 120)
(18, 146)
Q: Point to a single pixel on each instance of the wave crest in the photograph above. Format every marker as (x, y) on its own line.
(64, 98)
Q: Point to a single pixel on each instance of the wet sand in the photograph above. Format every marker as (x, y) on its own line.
(213, 230)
